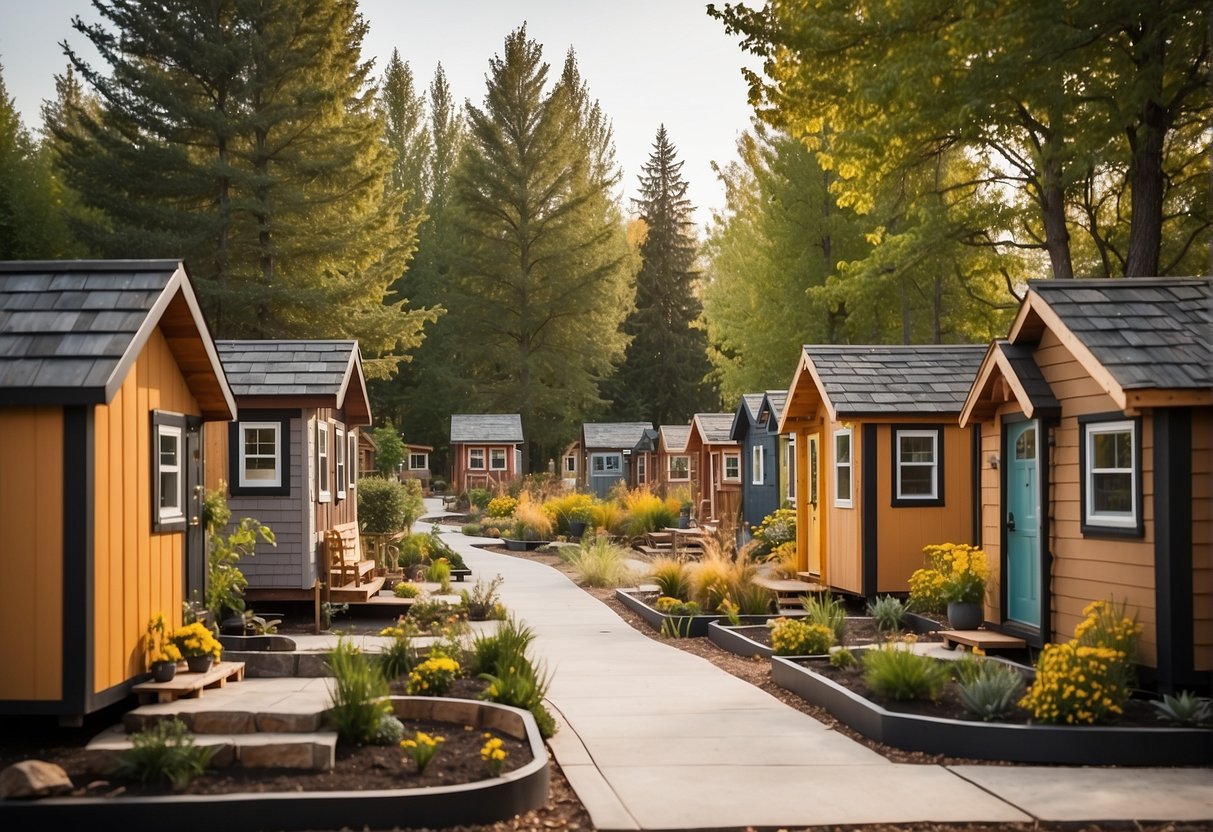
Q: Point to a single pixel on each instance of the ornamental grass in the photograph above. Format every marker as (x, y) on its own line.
(671, 576)
(567, 507)
(646, 512)
(600, 563)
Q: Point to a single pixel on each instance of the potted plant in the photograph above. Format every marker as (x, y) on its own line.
(964, 587)
(684, 515)
(162, 653)
(579, 520)
(198, 646)
(225, 582)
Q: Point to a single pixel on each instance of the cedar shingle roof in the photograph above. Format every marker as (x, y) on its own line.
(1148, 333)
(486, 427)
(893, 379)
(614, 434)
(70, 330)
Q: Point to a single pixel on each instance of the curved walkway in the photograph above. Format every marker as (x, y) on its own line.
(655, 738)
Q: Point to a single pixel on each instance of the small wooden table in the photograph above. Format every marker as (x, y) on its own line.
(189, 685)
(985, 640)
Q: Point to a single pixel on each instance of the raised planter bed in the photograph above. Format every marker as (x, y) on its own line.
(1066, 745)
(639, 602)
(521, 545)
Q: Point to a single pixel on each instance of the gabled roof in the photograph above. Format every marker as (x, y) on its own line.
(713, 428)
(773, 401)
(879, 380)
(622, 435)
(1133, 335)
(674, 437)
(502, 428)
(1008, 370)
(746, 415)
(70, 331)
(298, 374)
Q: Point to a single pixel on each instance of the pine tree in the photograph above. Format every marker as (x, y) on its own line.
(542, 282)
(258, 119)
(406, 133)
(666, 375)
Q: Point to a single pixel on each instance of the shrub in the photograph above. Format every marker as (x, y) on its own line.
(776, 529)
(1186, 709)
(896, 672)
(414, 502)
(792, 637)
(502, 506)
(165, 753)
(439, 572)
(414, 549)
(676, 606)
(430, 616)
(479, 498)
(841, 657)
(436, 548)
(433, 677)
(566, 507)
(471, 529)
(989, 689)
(382, 505)
(483, 603)
(600, 563)
(671, 576)
(389, 449)
(888, 613)
(1089, 678)
(609, 515)
(359, 693)
(828, 611)
(531, 522)
(390, 731)
(406, 589)
(954, 572)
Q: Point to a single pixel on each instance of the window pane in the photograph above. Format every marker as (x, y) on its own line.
(916, 480)
(1104, 447)
(844, 483)
(917, 448)
(842, 446)
(1025, 445)
(168, 450)
(169, 490)
(1113, 492)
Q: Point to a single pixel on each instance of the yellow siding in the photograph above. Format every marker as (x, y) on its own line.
(138, 573)
(843, 532)
(214, 439)
(31, 555)
(991, 507)
(1202, 537)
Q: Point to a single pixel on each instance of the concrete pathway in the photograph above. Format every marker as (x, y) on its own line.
(655, 738)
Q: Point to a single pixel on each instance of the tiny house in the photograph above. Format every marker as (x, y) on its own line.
(107, 374)
(571, 465)
(717, 488)
(1096, 424)
(417, 464)
(883, 467)
(614, 452)
(674, 466)
(290, 457)
(486, 450)
(756, 430)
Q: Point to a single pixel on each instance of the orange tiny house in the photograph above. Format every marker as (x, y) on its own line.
(717, 487)
(290, 458)
(108, 371)
(486, 450)
(882, 466)
(1096, 420)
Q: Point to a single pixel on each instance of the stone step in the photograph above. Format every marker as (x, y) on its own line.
(314, 750)
(247, 707)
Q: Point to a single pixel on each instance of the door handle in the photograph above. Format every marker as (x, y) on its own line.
(1010, 521)
(194, 521)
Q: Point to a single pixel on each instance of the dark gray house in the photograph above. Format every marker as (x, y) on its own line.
(617, 451)
(756, 429)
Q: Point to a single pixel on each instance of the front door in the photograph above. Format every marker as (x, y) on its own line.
(1021, 513)
(814, 508)
(195, 529)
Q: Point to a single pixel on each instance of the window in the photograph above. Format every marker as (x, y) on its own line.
(339, 446)
(757, 474)
(812, 470)
(260, 455)
(640, 467)
(791, 452)
(842, 468)
(476, 459)
(497, 459)
(606, 465)
(419, 462)
(351, 460)
(917, 461)
(169, 453)
(680, 467)
(732, 467)
(570, 464)
(323, 494)
(1111, 474)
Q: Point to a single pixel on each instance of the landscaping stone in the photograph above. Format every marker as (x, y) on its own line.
(33, 778)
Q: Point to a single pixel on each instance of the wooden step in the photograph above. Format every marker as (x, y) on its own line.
(189, 685)
(987, 641)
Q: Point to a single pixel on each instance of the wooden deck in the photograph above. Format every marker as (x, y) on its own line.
(988, 641)
(788, 592)
(186, 685)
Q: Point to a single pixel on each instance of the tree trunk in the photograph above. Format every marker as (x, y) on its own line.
(1145, 175)
(1053, 206)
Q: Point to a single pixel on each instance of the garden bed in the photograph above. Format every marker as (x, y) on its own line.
(692, 626)
(753, 638)
(942, 727)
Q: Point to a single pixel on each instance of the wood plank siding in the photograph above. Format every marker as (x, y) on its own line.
(31, 517)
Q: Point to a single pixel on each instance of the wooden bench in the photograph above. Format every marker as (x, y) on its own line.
(342, 555)
(189, 685)
(985, 640)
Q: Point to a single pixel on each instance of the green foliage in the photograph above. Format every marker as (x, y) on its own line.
(514, 678)
(794, 637)
(439, 572)
(842, 658)
(431, 616)
(989, 689)
(1185, 709)
(599, 562)
(225, 582)
(776, 529)
(479, 498)
(406, 589)
(390, 731)
(414, 549)
(671, 576)
(472, 529)
(399, 655)
(433, 677)
(165, 753)
(888, 613)
(359, 693)
(828, 611)
(750, 599)
(382, 505)
(677, 607)
(483, 603)
(437, 548)
(895, 671)
(389, 450)
(492, 652)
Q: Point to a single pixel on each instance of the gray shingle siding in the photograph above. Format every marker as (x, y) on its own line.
(286, 565)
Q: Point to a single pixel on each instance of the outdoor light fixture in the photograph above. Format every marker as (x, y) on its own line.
(993, 460)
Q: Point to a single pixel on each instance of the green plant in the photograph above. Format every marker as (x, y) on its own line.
(439, 572)
(389, 449)
(888, 613)
(329, 610)
(483, 602)
(776, 529)
(359, 693)
(259, 625)
(389, 731)
(414, 549)
(165, 752)
(600, 563)
(433, 615)
(518, 682)
(1186, 709)
(793, 637)
(196, 640)
(422, 748)
(827, 610)
(895, 671)
(433, 677)
(493, 754)
(398, 656)
(842, 658)
(671, 577)
(414, 502)
(471, 529)
(751, 598)
(670, 605)
(676, 627)
(382, 505)
(406, 589)
(955, 572)
(225, 583)
(989, 689)
(479, 497)
(436, 548)
(491, 652)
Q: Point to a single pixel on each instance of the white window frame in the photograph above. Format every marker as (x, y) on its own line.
(934, 436)
(791, 452)
(642, 468)
(570, 464)
(242, 474)
(171, 513)
(758, 472)
(725, 458)
(323, 494)
(847, 501)
(351, 460)
(606, 470)
(1110, 519)
(476, 455)
(670, 467)
(495, 455)
(425, 461)
(339, 447)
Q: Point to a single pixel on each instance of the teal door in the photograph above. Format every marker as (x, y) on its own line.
(1021, 505)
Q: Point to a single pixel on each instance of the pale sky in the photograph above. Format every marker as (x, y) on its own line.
(647, 62)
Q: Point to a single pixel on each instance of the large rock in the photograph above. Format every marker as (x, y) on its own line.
(33, 778)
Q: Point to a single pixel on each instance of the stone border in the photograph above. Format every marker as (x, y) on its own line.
(1056, 744)
(485, 801)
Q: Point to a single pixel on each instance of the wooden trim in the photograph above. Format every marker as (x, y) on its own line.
(1096, 531)
(1173, 548)
(78, 564)
(1167, 397)
(975, 463)
(1050, 319)
(1039, 635)
(871, 472)
(910, 502)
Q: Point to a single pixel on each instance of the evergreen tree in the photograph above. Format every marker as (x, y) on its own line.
(406, 133)
(666, 376)
(541, 285)
(270, 167)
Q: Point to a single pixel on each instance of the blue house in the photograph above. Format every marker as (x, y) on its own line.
(756, 429)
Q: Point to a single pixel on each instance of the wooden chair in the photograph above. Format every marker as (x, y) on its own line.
(344, 569)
